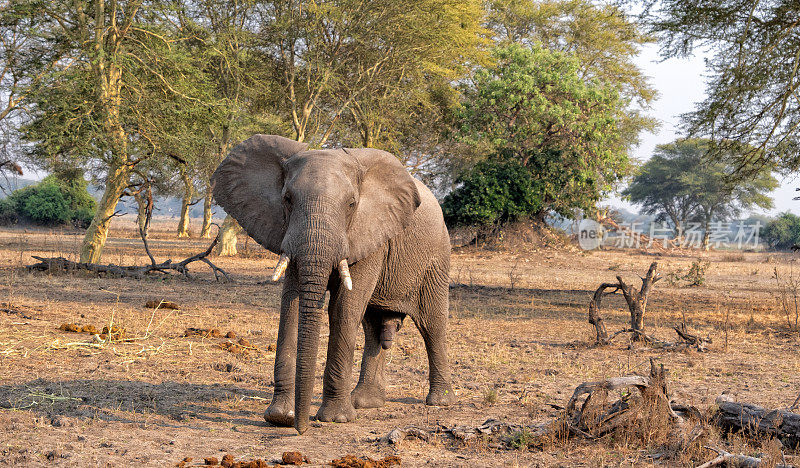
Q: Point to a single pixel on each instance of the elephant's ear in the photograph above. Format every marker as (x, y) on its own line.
(248, 184)
(388, 197)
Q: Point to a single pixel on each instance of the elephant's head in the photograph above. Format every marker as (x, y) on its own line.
(321, 211)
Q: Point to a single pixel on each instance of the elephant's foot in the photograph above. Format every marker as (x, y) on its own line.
(441, 396)
(336, 411)
(368, 396)
(280, 412)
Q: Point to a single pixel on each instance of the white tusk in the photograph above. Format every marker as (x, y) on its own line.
(344, 272)
(280, 268)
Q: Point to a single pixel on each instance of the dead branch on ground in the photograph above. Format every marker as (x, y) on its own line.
(642, 408)
(138, 272)
(755, 421)
(740, 461)
(643, 401)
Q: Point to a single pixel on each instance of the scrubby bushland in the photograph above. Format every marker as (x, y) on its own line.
(54, 200)
(783, 232)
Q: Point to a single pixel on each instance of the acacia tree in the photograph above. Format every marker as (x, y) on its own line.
(26, 56)
(532, 105)
(350, 57)
(105, 111)
(225, 41)
(754, 68)
(679, 183)
(660, 188)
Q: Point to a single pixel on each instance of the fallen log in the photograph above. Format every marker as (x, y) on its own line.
(727, 459)
(138, 272)
(755, 421)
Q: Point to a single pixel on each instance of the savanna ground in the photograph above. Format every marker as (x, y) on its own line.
(514, 352)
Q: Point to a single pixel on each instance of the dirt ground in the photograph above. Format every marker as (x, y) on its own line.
(161, 396)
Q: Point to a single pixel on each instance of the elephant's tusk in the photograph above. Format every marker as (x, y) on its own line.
(280, 268)
(344, 272)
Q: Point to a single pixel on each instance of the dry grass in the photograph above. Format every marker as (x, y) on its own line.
(163, 396)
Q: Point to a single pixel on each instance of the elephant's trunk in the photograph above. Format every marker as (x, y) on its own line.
(313, 282)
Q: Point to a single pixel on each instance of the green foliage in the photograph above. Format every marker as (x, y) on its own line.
(696, 276)
(493, 191)
(8, 212)
(783, 232)
(522, 439)
(45, 204)
(680, 183)
(74, 187)
(57, 199)
(533, 105)
(752, 62)
(604, 38)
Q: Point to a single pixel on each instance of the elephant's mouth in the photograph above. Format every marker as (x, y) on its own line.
(343, 267)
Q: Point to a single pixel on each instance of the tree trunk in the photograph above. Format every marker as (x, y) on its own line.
(183, 223)
(706, 233)
(96, 234)
(228, 237)
(755, 421)
(109, 85)
(206, 230)
(595, 319)
(637, 301)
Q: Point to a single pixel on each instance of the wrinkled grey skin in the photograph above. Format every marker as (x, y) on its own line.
(320, 207)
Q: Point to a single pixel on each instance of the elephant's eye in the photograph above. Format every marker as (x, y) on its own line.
(287, 199)
(352, 203)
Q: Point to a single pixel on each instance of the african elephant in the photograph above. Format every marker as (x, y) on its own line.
(355, 223)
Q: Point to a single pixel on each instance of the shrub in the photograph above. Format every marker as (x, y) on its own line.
(493, 191)
(783, 232)
(8, 212)
(46, 205)
(82, 217)
(54, 200)
(74, 188)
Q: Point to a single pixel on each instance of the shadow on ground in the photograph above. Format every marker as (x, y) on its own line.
(135, 402)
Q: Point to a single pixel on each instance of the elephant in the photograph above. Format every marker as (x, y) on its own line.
(355, 223)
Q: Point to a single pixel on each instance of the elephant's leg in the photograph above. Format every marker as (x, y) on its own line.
(281, 411)
(371, 389)
(345, 314)
(432, 325)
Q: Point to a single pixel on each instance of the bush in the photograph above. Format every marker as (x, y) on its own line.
(8, 212)
(783, 232)
(54, 200)
(493, 191)
(46, 205)
(82, 217)
(74, 188)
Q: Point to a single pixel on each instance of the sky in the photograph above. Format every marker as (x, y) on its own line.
(681, 84)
